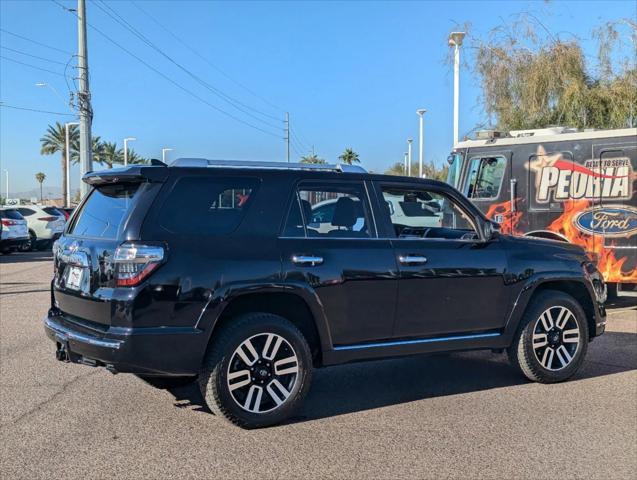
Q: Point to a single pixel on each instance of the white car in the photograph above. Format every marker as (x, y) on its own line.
(45, 224)
(14, 234)
(414, 212)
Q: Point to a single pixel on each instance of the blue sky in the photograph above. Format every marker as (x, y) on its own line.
(351, 74)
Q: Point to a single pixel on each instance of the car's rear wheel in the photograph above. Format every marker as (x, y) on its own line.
(257, 370)
(552, 340)
(30, 245)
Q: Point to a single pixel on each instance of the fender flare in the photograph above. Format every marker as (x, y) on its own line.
(222, 297)
(529, 288)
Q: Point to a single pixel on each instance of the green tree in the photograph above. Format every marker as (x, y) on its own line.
(54, 140)
(134, 159)
(40, 177)
(111, 154)
(349, 157)
(431, 171)
(96, 150)
(397, 168)
(313, 158)
(533, 78)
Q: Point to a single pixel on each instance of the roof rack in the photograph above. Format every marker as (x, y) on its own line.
(259, 165)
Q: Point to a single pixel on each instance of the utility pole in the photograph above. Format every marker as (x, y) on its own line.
(84, 96)
(455, 41)
(409, 142)
(421, 146)
(287, 134)
(6, 173)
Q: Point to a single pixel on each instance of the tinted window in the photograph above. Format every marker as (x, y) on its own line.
(26, 211)
(207, 205)
(331, 210)
(53, 211)
(485, 177)
(419, 213)
(11, 214)
(105, 211)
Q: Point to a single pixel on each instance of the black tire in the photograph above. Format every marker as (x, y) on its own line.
(525, 357)
(30, 245)
(8, 251)
(214, 382)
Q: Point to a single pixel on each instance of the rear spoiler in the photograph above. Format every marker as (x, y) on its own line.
(132, 174)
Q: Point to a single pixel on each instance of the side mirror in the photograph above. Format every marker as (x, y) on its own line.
(491, 230)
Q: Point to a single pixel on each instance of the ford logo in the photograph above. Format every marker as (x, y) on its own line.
(611, 221)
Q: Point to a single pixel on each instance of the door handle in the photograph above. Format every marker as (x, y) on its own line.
(307, 260)
(412, 259)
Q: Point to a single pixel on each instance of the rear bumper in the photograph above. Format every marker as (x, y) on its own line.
(156, 350)
(13, 242)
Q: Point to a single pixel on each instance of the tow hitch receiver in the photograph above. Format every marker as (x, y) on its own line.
(62, 351)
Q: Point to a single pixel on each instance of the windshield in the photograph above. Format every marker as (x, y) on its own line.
(455, 166)
(105, 211)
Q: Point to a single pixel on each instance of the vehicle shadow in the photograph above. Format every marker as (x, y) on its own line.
(624, 300)
(365, 386)
(26, 257)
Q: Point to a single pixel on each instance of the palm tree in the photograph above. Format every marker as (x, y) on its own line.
(349, 157)
(40, 177)
(96, 150)
(134, 159)
(55, 141)
(312, 159)
(111, 154)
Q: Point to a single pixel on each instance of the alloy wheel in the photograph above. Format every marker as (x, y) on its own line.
(556, 338)
(262, 372)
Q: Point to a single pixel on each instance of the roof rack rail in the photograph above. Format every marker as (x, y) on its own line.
(259, 165)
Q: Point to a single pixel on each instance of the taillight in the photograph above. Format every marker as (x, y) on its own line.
(8, 223)
(48, 219)
(135, 262)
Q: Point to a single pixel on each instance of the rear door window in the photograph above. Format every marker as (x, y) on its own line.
(53, 211)
(105, 211)
(27, 212)
(11, 215)
(207, 205)
(330, 210)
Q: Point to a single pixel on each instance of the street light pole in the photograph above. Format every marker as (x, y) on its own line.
(421, 146)
(126, 140)
(67, 148)
(405, 164)
(44, 84)
(6, 173)
(455, 41)
(409, 142)
(163, 153)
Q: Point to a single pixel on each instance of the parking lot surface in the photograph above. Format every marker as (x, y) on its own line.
(465, 415)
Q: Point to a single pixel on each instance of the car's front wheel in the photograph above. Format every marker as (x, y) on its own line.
(552, 340)
(257, 370)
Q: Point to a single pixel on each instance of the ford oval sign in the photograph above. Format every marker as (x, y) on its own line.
(610, 221)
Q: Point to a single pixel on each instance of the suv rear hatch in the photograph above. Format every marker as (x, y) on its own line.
(107, 223)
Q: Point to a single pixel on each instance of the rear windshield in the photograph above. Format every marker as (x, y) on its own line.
(105, 211)
(207, 205)
(53, 211)
(11, 214)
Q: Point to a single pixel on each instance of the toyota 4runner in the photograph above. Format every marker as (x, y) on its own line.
(248, 275)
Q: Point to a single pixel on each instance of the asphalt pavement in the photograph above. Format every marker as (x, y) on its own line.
(466, 415)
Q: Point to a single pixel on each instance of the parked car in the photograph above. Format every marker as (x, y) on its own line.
(213, 270)
(45, 224)
(67, 212)
(14, 233)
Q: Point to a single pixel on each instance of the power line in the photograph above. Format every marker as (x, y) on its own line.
(33, 56)
(31, 66)
(303, 145)
(233, 102)
(166, 77)
(195, 52)
(36, 42)
(4, 105)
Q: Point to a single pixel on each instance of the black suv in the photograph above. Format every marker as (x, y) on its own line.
(248, 275)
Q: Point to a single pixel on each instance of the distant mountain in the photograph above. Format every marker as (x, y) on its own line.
(47, 192)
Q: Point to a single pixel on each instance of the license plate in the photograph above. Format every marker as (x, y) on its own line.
(74, 278)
